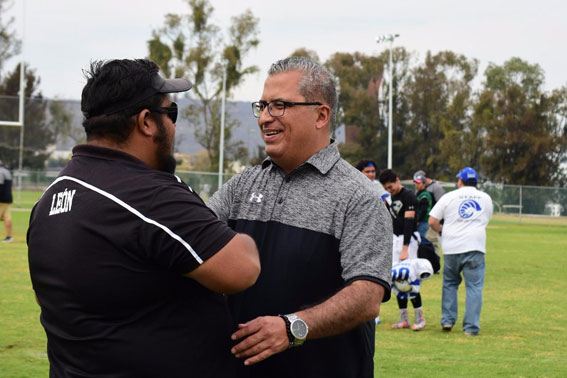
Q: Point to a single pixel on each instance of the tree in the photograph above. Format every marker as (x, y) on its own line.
(359, 78)
(61, 123)
(190, 46)
(363, 103)
(524, 126)
(439, 97)
(37, 136)
(9, 44)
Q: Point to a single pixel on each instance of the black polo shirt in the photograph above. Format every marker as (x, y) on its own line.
(108, 243)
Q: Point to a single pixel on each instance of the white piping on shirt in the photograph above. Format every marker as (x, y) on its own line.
(132, 210)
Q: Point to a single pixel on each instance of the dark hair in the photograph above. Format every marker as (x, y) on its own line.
(317, 84)
(109, 84)
(365, 163)
(387, 175)
(472, 183)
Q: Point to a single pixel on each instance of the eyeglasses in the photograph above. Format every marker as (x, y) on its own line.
(171, 111)
(276, 108)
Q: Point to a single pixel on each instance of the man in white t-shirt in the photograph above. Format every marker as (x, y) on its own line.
(466, 213)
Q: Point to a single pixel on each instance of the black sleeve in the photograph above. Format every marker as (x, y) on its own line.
(409, 228)
(185, 233)
(410, 204)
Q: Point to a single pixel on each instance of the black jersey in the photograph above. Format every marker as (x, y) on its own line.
(109, 243)
(404, 201)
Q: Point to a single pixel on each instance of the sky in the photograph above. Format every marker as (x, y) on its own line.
(61, 37)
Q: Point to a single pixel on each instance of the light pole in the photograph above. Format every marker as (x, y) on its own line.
(221, 143)
(389, 38)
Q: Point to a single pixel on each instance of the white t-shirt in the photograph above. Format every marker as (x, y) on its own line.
(466, 212)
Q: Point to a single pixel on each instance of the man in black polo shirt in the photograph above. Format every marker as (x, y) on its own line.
(323, 234)
(125, 259)
(405, 246)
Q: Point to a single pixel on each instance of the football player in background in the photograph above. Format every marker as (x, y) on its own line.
(405, 242)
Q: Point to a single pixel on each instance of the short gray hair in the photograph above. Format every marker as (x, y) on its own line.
(317, 83)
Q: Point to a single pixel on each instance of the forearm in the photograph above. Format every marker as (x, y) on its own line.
(265, 336)
(409, 226)
(357, 303)
(435, 224)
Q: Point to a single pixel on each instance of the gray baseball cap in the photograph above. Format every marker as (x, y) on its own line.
(418, 175)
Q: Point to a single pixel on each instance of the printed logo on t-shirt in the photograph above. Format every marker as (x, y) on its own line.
(395, 208)
(256, 197)
(468, 208)
(62, 202)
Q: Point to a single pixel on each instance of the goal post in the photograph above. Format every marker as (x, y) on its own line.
(20, 121)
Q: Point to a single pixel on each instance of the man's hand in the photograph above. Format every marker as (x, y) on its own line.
(261, 338)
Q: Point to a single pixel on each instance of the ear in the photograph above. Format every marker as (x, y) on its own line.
(323, 116)
(145, 123)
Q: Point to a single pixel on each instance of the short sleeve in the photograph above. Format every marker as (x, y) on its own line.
(366, 241)
(221, 201)
(438, 209)
(181, 232)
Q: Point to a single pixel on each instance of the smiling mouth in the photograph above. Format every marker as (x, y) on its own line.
(271, 133)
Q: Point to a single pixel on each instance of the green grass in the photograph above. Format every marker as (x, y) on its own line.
(524, 318)
(22, 339)
(26, 199)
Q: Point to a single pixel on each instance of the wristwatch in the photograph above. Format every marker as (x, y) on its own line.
(296, 328)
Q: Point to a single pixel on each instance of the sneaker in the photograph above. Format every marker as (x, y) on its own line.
(400, 324)
(447, 326)
(419, 325)
(8, 239)
(419, 320)
(467, 333)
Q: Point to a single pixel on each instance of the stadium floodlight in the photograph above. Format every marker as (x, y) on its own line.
(381, 39)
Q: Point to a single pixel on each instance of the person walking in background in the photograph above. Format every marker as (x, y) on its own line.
(128, 265)
(433, 187)
(6, 200)
(466, 213)
(405, 242)
(323, 234)
(424, 206)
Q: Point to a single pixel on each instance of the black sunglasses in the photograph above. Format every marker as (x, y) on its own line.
(171, 111)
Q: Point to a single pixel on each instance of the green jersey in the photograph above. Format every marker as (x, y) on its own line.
(424, 205)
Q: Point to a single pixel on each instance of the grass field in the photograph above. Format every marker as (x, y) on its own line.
(524, 318)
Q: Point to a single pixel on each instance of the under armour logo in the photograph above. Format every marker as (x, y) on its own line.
(256, 197)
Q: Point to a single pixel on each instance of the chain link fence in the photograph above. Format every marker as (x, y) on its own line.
(508, 199)
(519, 200)
(204, 183)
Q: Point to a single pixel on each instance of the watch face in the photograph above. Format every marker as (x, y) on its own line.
(299, 329)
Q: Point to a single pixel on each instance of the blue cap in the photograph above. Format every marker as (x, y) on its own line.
(468, 175)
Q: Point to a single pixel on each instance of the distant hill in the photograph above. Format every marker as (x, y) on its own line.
(247, 131)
